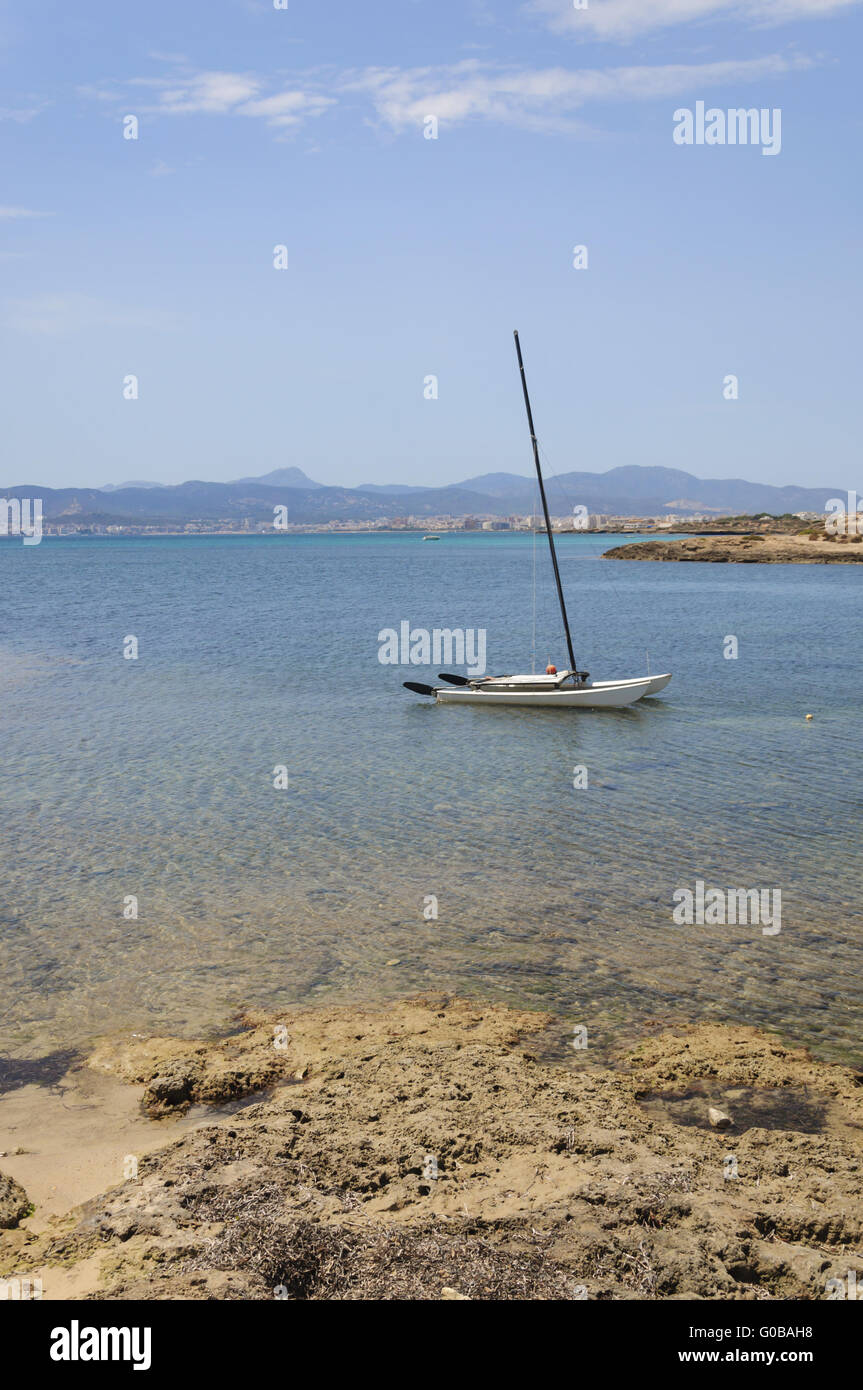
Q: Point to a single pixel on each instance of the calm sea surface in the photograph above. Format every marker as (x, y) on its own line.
(154, 778)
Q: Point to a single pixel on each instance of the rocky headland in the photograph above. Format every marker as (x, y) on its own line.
(747, 550)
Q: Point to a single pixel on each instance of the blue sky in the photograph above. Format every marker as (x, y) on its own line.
(410, 256)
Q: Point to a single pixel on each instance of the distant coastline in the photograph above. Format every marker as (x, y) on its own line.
(564, 528)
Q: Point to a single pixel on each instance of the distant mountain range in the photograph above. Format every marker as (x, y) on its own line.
(628, 491)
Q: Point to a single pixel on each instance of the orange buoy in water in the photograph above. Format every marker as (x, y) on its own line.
(550, 670)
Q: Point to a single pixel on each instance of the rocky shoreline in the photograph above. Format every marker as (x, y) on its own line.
(745, 550)
(425, 1150)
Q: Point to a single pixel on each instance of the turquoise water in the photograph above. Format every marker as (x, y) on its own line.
(154, 778)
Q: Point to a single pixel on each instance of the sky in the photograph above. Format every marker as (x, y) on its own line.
(307, 127)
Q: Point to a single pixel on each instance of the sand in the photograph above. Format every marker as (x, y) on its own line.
(439, 1148)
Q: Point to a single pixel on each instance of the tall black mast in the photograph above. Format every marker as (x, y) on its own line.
(572, 664)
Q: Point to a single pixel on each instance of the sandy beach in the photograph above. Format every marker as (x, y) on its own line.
(436, 1148)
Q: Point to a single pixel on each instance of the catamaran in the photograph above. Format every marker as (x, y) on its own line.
(554, 689)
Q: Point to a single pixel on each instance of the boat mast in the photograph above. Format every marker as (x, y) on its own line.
(572, 664)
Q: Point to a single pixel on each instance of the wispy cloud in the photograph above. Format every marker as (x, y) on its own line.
(472, 89)
(226, 93)
(53, 315)
(8, 214)
(288, 108)
(626, 19)
(211, 93)
(21, 114)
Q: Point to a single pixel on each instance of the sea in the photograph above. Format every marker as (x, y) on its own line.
(217, 797)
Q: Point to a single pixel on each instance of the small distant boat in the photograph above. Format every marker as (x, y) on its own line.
(554, 689)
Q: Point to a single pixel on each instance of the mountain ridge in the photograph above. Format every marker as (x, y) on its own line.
(629, 490)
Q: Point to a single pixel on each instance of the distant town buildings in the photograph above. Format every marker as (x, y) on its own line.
(598, 522)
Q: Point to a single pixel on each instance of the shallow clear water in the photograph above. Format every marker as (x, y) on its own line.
(155, 778)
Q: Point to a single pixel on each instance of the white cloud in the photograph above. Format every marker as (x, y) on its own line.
(52, 315)
(212, 93)
(288, 108)
(541, 97)
(21, 114)
(8, 214)
(625, 19)
(221, 94)
(534, 99)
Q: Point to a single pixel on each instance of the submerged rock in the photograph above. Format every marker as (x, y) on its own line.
(718, 1118)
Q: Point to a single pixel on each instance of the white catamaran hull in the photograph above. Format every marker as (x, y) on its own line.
(654, 683)
(602, 695)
